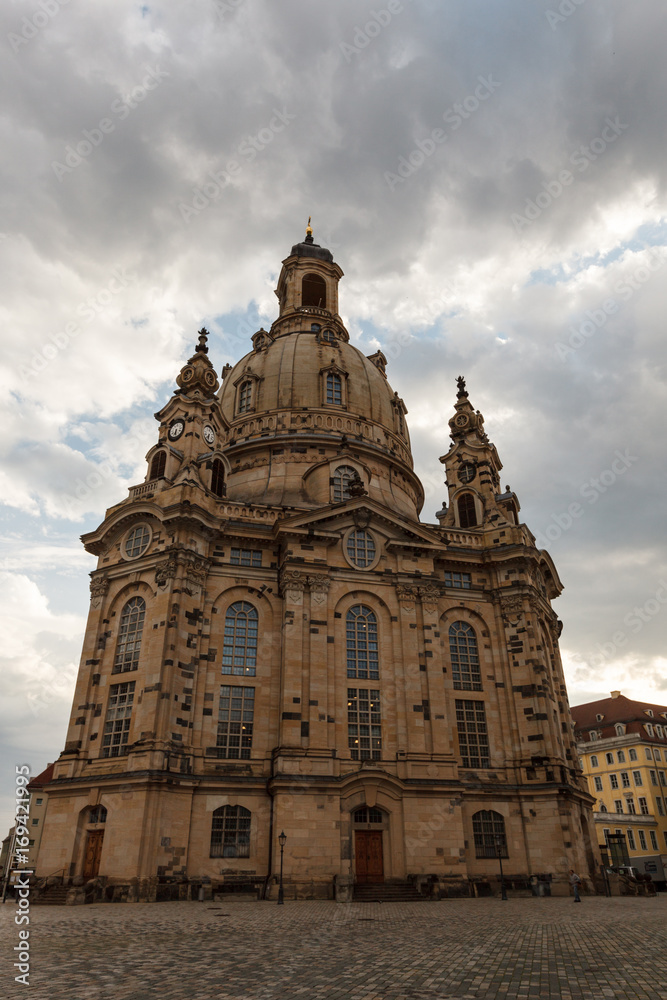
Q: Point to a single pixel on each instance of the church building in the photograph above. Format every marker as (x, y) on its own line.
(277, 644)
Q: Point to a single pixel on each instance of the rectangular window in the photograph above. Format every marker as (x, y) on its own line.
(647, 751)
(656, 753)
(594, 761)
(642, 839)
(664, 833)
(334, 389)
(364, 729)
(658, 802)
(631, 841)
(598, 783)
(117, 723)
(614, 780)
(637, 777)
(654, 777)
(643, 806)
(35, 822)
(618, 805)
(609, 757)
(460, 580)
(654, 840)
(38, 802)
(621, 756)
(235, 721)
(633, 754)
(631, 806)
(472, 733)
(246, 557)
(663, 780)
(625, 779)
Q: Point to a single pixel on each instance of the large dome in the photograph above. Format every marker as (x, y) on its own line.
(305, 403)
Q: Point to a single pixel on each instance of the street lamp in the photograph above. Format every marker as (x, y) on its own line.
(499, 851)
(281, 840)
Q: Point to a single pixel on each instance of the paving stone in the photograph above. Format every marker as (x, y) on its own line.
(475, 949)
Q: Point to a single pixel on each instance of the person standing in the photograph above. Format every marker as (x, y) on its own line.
(575, 882)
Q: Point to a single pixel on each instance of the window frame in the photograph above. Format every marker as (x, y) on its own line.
(484, 839)
(226, 820)
(240, 640)
(128, 643)
(463, 728)
(356, 645)
(234, 734)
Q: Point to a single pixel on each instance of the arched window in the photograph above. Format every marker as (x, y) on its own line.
(245, 397)
(362, 643)
(334, 389)
(340, 482)
(230, 832)
(465, 657)
(129, 635)
(97, 814)
(314, 291)
(489, 831)
(594, 761)
(158, 465)
(239, 651)
(360, 548)
(467, 513)
(218, 478)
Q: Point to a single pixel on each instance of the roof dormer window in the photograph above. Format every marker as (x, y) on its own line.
(620, 729)
(599, 718)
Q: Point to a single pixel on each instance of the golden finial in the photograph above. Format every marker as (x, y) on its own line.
(309, 228)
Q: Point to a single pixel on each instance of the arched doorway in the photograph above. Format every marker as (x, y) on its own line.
(95, 818)
(369, 824)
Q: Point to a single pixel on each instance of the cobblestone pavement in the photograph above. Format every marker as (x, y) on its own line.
(477, 949)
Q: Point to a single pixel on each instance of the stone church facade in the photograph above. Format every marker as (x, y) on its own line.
(276, 643)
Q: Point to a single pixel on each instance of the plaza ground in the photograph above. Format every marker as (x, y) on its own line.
(468, 949)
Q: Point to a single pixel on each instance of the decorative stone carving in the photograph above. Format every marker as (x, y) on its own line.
(165, 571)
(319, 587)
(292, 584)
(361, 518)
(99, 588)
(511, 608)
(407, 596)
(429, 596)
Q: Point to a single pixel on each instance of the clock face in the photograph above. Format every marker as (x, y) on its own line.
(461, 420)
(176, 429)
(466, 473)
(209, 434)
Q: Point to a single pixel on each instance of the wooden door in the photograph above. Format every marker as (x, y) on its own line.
(368, 851)
(91, 865)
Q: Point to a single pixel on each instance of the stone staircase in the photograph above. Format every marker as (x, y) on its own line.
(387, 892)
(52, 895)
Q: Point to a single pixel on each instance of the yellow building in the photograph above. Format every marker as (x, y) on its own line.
(622, 746)
(276, 642)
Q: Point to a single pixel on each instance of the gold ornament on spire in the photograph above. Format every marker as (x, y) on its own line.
(309, 228)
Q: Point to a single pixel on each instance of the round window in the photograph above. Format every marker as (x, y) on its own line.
(137, 541)
(361, 548)
(466, 472)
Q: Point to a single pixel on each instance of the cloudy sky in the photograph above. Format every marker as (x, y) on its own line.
(490, 176)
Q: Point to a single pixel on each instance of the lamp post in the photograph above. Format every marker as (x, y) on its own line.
(281, 840)
(499, 851)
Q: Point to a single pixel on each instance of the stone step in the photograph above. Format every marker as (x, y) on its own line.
(387, 892)
(54, 895)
